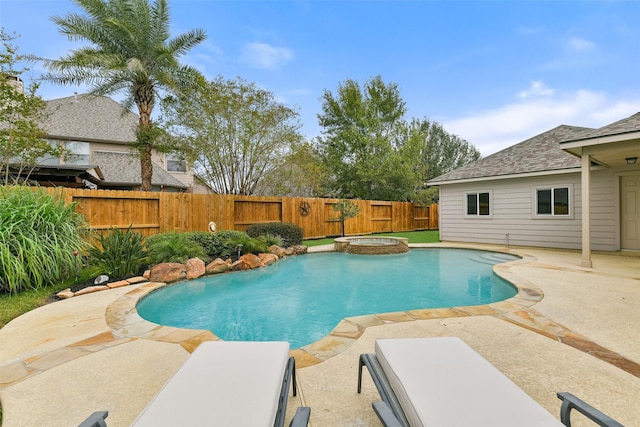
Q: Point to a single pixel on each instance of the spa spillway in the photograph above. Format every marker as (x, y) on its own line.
(369, 245)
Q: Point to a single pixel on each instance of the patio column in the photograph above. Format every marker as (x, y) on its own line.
(586, 211)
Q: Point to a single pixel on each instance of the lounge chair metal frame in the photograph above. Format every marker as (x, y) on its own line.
(300, 419)
(391, 414)
(97, 419)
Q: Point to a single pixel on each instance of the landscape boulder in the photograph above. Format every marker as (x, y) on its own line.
(299, 249)
(277, 250)
(247, 262)
(267, 259)
(218, 266)
(195, 268)
(167, 272)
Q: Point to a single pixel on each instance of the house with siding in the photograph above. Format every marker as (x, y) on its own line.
(99, 135)
(570, 187)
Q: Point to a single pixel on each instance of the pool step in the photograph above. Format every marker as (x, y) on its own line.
(492, 258)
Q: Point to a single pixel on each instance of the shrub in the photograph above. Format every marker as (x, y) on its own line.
(218, 244)
(119, 253)
(173, 247)
(39, 233)
(272, 239)
(250, 245)
(291, 234)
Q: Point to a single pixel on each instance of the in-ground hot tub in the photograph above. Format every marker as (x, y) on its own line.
(371, 245)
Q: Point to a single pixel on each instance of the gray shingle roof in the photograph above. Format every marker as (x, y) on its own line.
(88, 118)
(630, 124)
(538, 154)
(124, 169)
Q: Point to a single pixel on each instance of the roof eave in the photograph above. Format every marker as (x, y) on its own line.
(572, 145)
(501, 177)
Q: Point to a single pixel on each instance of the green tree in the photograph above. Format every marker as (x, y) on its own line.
(436, 152)
(440, 151)
(130, 52)
(362, 142)
(233, 132)
(301, 174)
(347, 209)
(22, 142)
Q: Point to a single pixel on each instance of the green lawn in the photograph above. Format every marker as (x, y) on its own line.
(14, 305)
(427, 236)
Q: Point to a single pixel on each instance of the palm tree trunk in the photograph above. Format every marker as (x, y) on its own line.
(144, 98)
(146, 167)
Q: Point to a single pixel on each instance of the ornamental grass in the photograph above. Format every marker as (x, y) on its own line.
(40, 238)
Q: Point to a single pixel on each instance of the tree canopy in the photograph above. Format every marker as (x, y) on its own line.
(361, 142)
(22, 142)
(299, 174)
(370, 150)
(130, 52)
(440, 151)
(233, 132)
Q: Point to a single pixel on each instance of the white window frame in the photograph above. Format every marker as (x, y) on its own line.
(553, 215)
(175, 157)
(73, 157)
(49, 160)
(478, 215)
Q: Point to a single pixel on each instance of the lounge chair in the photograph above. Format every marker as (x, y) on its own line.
(228, 383)
(443, 382)
(97, 419)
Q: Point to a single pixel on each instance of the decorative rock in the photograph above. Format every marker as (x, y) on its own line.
(167, 272)
(240, 265)
(277, 250)
(65, 294)
(299, 249)
(170, 272)
(218, 266)
(91, 289)
(267, 259)
(195, 268)
(253, 261)
(101, 279)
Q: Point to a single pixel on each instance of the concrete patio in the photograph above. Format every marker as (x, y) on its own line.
(576, 330)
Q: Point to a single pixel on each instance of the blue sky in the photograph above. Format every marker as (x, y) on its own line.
(493, 72)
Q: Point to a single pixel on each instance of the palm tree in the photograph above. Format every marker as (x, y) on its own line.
(131, 52)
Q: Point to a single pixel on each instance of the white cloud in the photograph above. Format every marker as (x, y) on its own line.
(578, 44)
(536, 89)
(495, 129)
(266, 56)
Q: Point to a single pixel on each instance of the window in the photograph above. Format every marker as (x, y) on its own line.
(552, 201)
(175, 163)
(48, 159)
(478, 204)
(79, 153)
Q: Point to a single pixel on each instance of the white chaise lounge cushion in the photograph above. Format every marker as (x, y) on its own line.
(444, 382)
(223, 383)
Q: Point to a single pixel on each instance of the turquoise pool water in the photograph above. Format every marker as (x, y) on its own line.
(301, 299)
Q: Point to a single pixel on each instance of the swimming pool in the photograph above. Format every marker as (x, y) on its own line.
(301, 299)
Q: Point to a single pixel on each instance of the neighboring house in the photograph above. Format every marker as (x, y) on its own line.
(99, 135)
(569, 187)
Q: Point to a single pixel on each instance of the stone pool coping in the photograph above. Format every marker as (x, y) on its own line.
(125, 322)
(68, 346)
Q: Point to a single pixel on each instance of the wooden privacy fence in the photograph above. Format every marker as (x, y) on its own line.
(152, 213)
